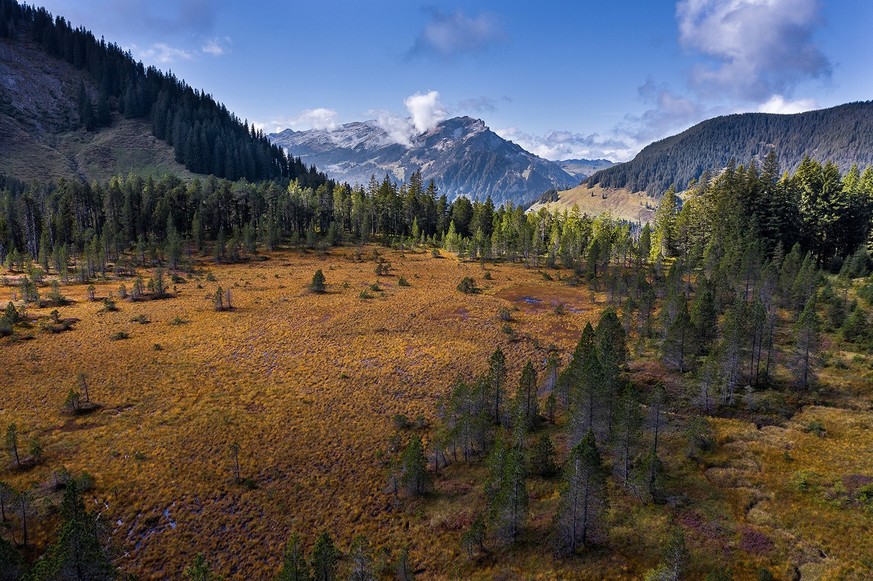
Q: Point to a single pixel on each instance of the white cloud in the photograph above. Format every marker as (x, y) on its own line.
(779, 104)
(751, 54)
(558, 145)
(318, 118)
(216, 46)
(161, 53)
(400, 129)
(756, 48)
(447, 35)
(425, 109)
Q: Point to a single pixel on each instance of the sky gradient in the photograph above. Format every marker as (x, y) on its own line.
(564, 80)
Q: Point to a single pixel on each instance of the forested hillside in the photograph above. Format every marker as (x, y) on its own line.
(842, 135)
(205, 137)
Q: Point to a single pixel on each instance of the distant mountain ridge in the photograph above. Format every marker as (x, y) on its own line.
(842, 134)
(461, 155)
(582, 168)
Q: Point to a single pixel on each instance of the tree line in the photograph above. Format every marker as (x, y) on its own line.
(827, 213)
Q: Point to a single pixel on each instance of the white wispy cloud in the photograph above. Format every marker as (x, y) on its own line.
(779, 104)
(756, 48)
(318, 118)
(455, 33)
(162, 53)
(558, 145)
(216, 46)
(753, 55)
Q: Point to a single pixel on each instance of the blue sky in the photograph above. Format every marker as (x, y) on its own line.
(569, 79)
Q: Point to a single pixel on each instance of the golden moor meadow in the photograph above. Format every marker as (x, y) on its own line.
(222, 432)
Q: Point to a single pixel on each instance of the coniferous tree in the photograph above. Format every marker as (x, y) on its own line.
(653, 467)
(318, 282)
(362, 566)
(294, 566)
(12, 444)
(627, 434)
(612, 353)
(81, 551)
(542, 458)
(806, 345)
(527, 408)
(586, 387)
(199, 570)
(414, 476)
(704, 317)
(324, 559)
(506, 490)
(11, 562)
(581, 518)
(679, 337)
(496, 380)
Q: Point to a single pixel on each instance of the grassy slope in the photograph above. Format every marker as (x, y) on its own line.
(596, 200)
(38, 113)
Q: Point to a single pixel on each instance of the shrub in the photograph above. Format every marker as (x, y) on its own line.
(504, 314)
(11, 313)
(401, 422)
(403, 282)
(109, 305)
(435, 252)
(815, 427)
(803, 480)
(467, 286)
(365, 295)
(73, 403)
(119, 336)
(317, 285)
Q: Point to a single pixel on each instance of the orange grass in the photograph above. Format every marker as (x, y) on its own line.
(307, 384)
